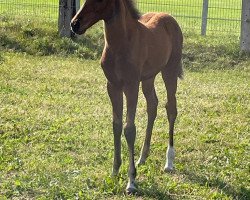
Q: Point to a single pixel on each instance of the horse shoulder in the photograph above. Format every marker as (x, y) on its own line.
(107, 64)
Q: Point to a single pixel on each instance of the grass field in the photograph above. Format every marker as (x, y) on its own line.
(55, 120)
(56, 140)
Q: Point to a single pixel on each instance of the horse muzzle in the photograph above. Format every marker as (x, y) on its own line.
(76, 28)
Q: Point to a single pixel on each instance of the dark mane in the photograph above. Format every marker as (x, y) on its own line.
(132, 8)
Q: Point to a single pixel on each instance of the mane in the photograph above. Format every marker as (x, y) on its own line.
(132, 9)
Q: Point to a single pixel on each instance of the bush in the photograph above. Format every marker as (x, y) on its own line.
(42, 39)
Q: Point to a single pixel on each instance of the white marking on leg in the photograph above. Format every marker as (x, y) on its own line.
(141, 161)
(170, 159)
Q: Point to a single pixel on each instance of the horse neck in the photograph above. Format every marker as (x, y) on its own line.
(118, 31)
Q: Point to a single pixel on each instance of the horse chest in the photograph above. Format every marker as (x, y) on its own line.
(120, 69)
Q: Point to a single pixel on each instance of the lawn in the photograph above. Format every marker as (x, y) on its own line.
(56, 138)
(55, 125)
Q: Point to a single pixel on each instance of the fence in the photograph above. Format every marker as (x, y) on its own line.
(44, 9)
(223, 16)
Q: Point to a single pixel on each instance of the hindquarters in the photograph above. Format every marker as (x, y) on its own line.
(174, 64)
(164, 45)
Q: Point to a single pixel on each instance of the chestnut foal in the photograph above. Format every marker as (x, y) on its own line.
(136, 49)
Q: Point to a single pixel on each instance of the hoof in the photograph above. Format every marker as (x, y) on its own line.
(114, 173)
(168, 169)
(140, 162)
(131, 189)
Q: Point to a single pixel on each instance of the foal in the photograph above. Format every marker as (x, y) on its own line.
(136, 49)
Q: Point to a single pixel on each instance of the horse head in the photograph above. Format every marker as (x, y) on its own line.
(91, 12)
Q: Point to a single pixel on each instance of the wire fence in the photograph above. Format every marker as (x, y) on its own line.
(30, 9)
(224, 16)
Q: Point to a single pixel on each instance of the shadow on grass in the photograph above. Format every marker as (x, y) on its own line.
(147, 188)
(152, 192)
(229, 190)
(52, 45)
(42, 39)
(10, 43)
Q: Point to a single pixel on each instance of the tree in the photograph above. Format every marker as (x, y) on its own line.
(67, 10)
(245, 26)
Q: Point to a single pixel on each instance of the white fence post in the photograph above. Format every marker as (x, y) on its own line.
(245, 26)
(204, 17)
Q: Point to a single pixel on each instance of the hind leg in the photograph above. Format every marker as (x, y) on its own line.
(152, 102)
(170, 80)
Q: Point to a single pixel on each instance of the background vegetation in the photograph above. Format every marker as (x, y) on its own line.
(55, 120)
(223, 16)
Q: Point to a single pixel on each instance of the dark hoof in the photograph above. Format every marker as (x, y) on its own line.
(131, 191)
(169, 170)
(140, 163)
(114, 173)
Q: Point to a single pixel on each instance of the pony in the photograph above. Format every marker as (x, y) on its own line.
(137, 48)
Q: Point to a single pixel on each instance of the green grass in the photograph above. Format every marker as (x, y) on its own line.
(56, 120)
(56, 139)
(46, 10)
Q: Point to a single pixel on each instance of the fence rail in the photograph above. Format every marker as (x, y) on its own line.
(223, 16)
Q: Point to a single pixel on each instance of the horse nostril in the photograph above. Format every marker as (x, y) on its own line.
(75, 25)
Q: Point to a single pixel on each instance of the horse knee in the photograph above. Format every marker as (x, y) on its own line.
(152, 107)
(117, 127)
(130, 133)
